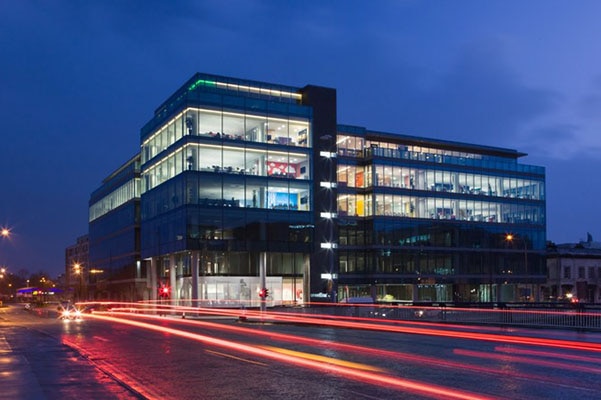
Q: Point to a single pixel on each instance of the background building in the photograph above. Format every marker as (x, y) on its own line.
(243, 185)
(574, 272)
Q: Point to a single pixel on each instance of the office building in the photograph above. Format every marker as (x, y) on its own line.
(114, 270)
(434, 220)
(247, 185)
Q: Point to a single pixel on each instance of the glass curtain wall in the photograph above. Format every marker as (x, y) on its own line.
(228, 126)
(235, 152)
(444, 217)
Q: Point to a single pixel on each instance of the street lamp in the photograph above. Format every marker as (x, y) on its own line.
(5, 232)
(7, 285)
(43, 285)
(511, 238)
(78, 270)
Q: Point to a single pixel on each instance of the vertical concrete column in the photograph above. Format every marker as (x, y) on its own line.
(262, 273)
(307, 279)
(194, 262)
(151, 279)
(172, 280)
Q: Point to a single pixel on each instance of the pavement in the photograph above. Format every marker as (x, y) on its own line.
(36, 365)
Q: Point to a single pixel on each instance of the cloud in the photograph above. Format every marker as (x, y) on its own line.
(572, 130)
(480, 99)
(590, 103)
(555, 141)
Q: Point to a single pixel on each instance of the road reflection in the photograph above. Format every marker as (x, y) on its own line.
(253, 337)
(348, 370)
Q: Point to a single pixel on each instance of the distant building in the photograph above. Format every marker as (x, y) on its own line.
(76, 255)
(574, 271)
(246, 184)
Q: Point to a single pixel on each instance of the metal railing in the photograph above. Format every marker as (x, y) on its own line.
(542, 315)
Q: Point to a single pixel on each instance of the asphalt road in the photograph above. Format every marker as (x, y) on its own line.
(36, 365)
(223, 358)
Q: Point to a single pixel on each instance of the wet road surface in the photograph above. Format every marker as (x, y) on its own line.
(223, 358)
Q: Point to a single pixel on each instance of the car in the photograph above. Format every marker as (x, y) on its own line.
(70, 312)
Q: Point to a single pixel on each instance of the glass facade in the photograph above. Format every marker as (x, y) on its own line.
(114, 271)
(425, 220)
(227, 187)
(241, 183)
(252, 150)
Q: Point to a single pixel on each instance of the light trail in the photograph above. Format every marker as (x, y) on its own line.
(385, 354)
(319, 358)
(556, 343)
(548, 354)
(390, 382)
(527, 360)
(386, 327)
(107, 368)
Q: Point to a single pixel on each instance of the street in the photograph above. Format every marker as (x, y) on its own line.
(220, 357)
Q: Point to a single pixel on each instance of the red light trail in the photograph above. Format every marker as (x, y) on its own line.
(333, 367)
(374, 324)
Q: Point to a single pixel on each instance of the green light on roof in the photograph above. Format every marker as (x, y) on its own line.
(201, 82)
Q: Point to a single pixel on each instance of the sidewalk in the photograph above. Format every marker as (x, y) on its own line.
(18, 378)
(35, 365)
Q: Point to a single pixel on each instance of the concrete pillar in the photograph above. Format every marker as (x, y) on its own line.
(172, 280)
(152, 279)
(262, 273)
(194, 262)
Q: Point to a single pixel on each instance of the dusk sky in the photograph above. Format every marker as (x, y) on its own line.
(80, 78)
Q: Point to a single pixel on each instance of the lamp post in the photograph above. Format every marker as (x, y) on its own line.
(78, 270)
(511, 238)
(2, 272)
(5, 234)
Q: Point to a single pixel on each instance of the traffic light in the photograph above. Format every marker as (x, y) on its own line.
(263, 293)
(164, 291)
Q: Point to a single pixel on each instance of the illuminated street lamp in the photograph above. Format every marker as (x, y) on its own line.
(5, 232)
(43, 287)
(78, 270)
(7, 285)
(511, 238)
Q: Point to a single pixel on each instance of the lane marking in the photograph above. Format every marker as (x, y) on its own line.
(235, 357)
(329, 360)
